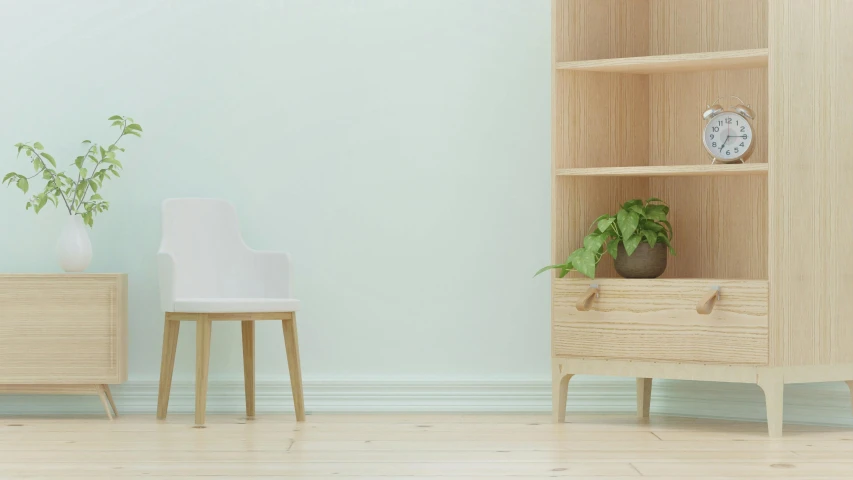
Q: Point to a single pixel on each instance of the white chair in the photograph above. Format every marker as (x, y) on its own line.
(208, 273)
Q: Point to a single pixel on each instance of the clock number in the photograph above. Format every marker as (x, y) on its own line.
(712, 136)
(744, 137)
(742, 129)
(719, 122)
(716, 129)
(736, 150)
(714, 144)
(741, 144)
(728, 152)
(728, 120)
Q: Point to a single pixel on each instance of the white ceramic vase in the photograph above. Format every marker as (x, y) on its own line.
(74, 247)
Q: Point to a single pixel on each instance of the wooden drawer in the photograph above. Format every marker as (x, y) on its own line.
(656, 320)
(63, 329)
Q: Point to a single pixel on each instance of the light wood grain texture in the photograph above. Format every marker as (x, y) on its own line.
(248, 334)
(167, 365)
(202, 366)
(47, 389)
(810, 182)
(230, 317)
(291, 341)
(105, 401)
(455, 447)
(63, 329)
(657, 320)
(644, 397)
(559, 391)
(773, 384)
(717, 170)
(685, 62)
(109, 395)
(203, 331)
(850, 386)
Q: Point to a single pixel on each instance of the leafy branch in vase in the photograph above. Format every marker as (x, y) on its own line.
(79, 195)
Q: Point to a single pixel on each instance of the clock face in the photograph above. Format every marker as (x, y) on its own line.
(728, 136)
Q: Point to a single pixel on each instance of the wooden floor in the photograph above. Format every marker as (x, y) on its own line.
(406, 446)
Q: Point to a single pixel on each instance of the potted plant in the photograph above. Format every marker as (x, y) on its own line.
(79, 194)
(637, 238)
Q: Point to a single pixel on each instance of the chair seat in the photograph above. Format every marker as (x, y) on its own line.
(235, 305)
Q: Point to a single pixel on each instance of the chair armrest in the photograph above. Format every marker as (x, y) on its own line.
(276, 271)
(166, 271)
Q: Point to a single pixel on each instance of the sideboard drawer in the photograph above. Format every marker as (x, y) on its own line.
(63, 329)
(656, 320)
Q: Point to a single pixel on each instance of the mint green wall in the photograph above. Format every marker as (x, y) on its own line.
(398, 149)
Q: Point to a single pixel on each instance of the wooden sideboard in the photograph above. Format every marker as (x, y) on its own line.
(63, 334)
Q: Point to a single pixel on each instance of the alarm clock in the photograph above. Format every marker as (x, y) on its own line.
(728, 135)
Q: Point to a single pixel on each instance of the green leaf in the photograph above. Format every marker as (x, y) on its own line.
(650, 236)
(638, 210)
(132, 132)
(654, 199)
(38, 146)
(117, 123)
(545, 269)
(9, 176)
(42, 200)
(86, 142)
(113, 161)
(98, 197)
(613, 248)
(134, 126)
(103, 152)
(37, 165)
(585, 263)
(629, 203)
(29, 204)
(93, 185)
(650, 225)
(627, 222)
(666, 242)
(593, 242)
(23, 184)
(79, 162)
(605, 223)
(668, 225)
(631, 244)
(115, 117)
(657, 212)
(49, 159)
(564, 270)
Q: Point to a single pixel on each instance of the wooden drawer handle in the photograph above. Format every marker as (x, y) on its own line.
(706, 304)
(585, 302)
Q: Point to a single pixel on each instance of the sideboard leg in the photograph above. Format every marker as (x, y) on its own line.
(850, 385)
(774, 388)
(103, 395)
(644, 397)
(559, 393)
(109, 395)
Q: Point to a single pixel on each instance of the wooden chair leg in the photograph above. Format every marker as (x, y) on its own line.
(774, 389)
(202, 365)
(109, 396)
(248, 328)
(291, 343)
(102, 394)
(559, 393)
(644, 397)
(167, 365)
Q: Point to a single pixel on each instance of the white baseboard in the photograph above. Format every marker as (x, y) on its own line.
(826, 403)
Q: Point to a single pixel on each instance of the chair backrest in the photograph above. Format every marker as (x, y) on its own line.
(211, 260)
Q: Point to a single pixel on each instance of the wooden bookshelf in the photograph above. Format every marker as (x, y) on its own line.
(631, 79)
(685, 62)
(668, 170)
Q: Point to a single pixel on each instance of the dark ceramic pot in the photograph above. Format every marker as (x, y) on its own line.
(645, 262)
